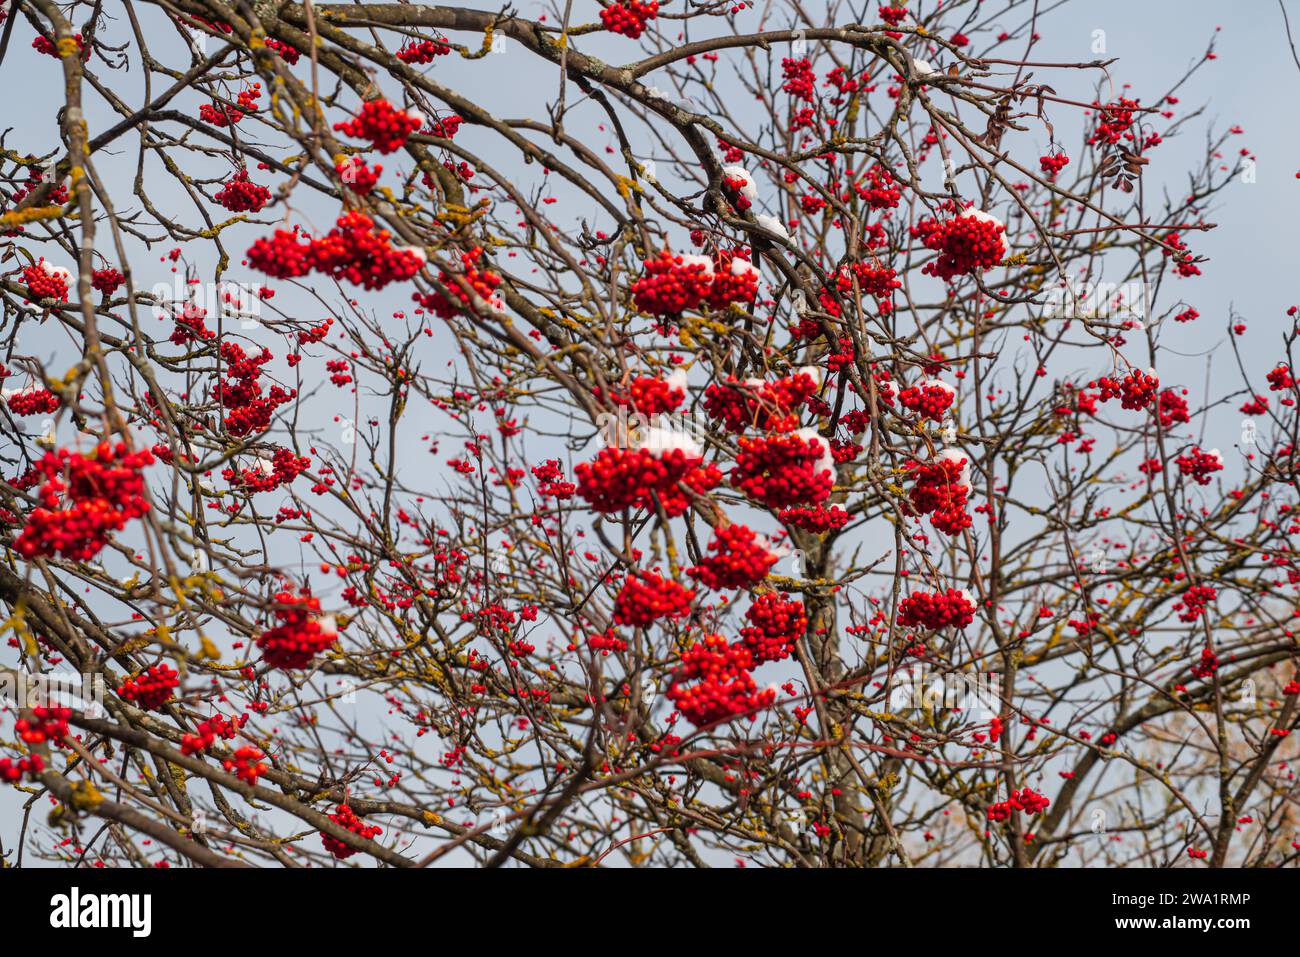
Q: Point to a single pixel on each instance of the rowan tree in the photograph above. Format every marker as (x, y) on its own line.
(758, 455)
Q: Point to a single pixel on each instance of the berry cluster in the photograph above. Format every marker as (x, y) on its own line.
(940, 491)
(425, 51)
(950, 609)
(739, 559)
(208, 731)
(45, 281)
(358, 176)
(929, 399)
(1199, 465)
(300, 635)
(106, 280)
(672, 284)
(241, 394)
(621, 478)
(1053, 163)
(646, 597)
(817, 519)
(1135, 390)
(1026, 800)
(765, 405)
(345, 817)
(785, 469)
(247, 764)
(354, 250)
(47, 724)
(33, 402)
(12, 773)
(775, 624)
(629, 17)
(151, 689)
(967, 243)
(241, 195)
(484, 282)
(386, 128)
(723, 686)
(103, 492)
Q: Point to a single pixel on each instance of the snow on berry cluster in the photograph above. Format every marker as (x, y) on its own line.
(673, 284)
(940, 489)
(969, 243)
(785, 469)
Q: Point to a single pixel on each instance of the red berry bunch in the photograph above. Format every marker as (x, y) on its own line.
(101, 493)
(483, 281)
(1053, 163)
(878, 188)
(606, 641)
(346, 818)
(739, 559)
(46, 724)
(647, 597)
(281, 469)
(33, 402)
(218, 726)
(240, 195)
(386, 128)
(247, 764)
(241, 394)
(425, 51)
(1026, 800)
(722, 685)
(107, 280)
(672, 284)
(765, 405)
(12, 773)
(1199, 465)
(1208, 664)
(46, 282)
(817, 519)
(775, 624)
(950, 609)
(1113, 122)
(359, 177)
(1172, 409)
(300, 635)
(651, 396)
(358, 252)
(966, 244)
(940, 491)
(1195, 600)
(151, 689)
(930, 399)
(800, 81)
(1280, 379)
(629, 18)
(792, 468)
(625, 478)
(354, 250)
(287, 53)
(1135, 390)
